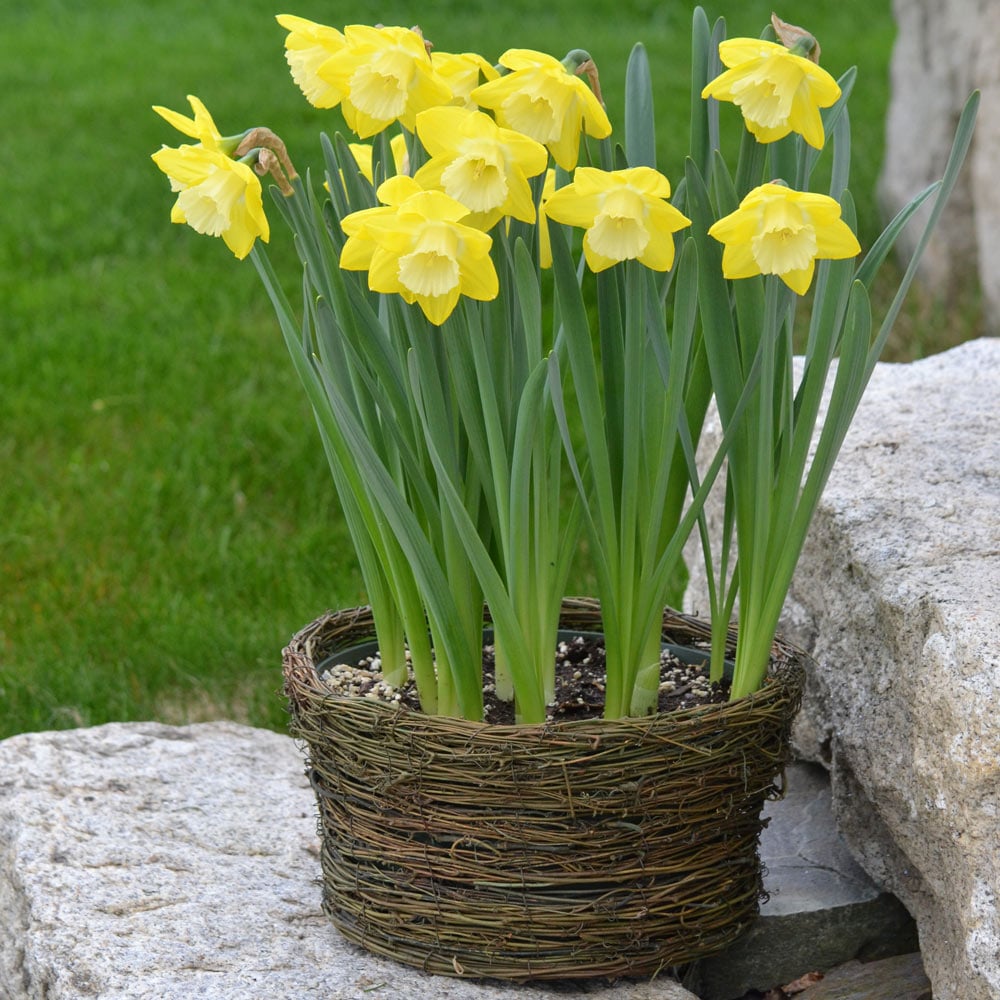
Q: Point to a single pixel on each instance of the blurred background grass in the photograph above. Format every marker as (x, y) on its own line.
(166, 516)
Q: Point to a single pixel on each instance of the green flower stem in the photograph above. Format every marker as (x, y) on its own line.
(392, 590)
(355, 367)
(432, 389)
(631, 510)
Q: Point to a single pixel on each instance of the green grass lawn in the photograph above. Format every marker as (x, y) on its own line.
(166, 518)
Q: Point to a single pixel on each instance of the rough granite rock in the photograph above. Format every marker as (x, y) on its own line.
(896, 598)
(143, 860)
(945, 49)
(146, 861)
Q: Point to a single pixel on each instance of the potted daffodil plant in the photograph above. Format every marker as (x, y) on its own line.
(510, 331)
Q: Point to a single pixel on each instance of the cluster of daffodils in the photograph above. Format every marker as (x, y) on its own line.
(484, 422)
(483, 133)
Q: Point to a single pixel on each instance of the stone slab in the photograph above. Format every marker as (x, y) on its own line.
(809, 866)
(823, 908)
(142, 860)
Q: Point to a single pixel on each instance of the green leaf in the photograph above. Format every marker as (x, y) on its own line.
(640, 124)
(721, 344)
(529, 300)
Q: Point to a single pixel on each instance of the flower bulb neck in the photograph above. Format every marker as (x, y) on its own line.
(266, 153)
(580, 63)
(574, 59)
(797, 40)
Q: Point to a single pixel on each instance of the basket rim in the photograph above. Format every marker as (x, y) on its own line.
(317, 640)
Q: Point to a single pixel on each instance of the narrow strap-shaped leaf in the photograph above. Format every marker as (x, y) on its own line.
(530, 699)
(394, 511)
(359, 190)
(701, 142)
(756, 632)
(750, 163)
(640, 125)
(579, 350)
(611, 310)
(840, 173)
(334, 179)
(354, 467)
(721, 345)
(529, 300)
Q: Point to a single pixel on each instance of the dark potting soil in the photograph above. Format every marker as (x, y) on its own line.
(580, 682)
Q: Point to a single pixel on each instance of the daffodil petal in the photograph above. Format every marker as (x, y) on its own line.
(596, 261)
(520, 204)
(479, 280)
(799, 280)
(837, 241)
(308, 47)
(437, 308)
(659, 253)
(738, 261)
(805, 119)
(357, 253)
(571, 208)
(734, 51)
(518, 59)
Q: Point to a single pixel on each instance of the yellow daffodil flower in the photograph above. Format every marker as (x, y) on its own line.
(777, 91)
(216, 195)
(463, 72)
(625, 213)
(307, 47)
(424, 253)
(359, 247)
(479, 164)
(545, 101)
(780, 231)
(383, 75)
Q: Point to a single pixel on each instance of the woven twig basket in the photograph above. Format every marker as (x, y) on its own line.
(568, 850)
